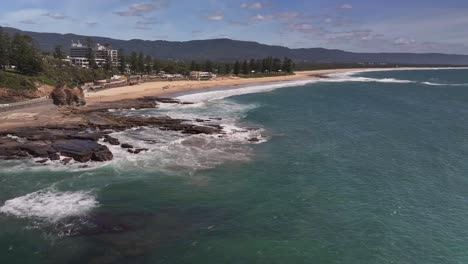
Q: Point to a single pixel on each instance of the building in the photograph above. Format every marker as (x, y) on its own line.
(78, 50)
(197, 75)
(105, 52)
(80, 54)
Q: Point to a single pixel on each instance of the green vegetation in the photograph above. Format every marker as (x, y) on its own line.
(22, 66)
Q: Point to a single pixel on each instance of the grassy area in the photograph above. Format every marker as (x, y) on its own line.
(16, 82)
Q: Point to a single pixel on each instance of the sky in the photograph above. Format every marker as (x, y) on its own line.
(353, 25)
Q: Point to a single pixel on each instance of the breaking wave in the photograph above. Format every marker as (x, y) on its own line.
(50, 205)
(172, 151)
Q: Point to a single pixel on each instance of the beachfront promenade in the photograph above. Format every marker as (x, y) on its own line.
(25, 104)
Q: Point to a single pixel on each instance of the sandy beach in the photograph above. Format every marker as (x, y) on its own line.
(49, 114)
(167, 87)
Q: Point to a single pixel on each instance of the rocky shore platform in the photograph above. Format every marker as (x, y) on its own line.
(78, 135)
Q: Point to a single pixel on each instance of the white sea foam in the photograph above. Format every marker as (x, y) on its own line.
(445, 84)
(50, 205)
(224, 93)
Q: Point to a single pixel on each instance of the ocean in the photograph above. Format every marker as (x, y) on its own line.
(361, 168)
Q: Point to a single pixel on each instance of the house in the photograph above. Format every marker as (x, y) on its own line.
(198, 75)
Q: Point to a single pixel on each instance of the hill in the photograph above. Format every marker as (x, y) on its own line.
(229, 50)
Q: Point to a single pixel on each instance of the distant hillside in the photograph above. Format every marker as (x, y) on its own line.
(231, 50)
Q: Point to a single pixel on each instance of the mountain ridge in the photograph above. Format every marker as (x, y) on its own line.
(224, 49)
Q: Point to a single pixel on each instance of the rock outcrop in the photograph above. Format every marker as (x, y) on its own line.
(79, 140)
(63, 95)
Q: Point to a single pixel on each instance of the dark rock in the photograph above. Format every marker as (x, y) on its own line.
(42, 161)
(200, 130)
(254, 140)
(166, 100)
(102, 154)
(126, 145)
(111, 140)
(83, 150)
(138, 150)
(65, 161)
(54, 156)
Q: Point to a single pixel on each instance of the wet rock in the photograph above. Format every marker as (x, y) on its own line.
(111, 140)
(137, 151)
(65, 161)
(54, 156)
(126, 146)
(200, 130)
(83, 150)
(102, 154)
(42, 161)
(254, 140)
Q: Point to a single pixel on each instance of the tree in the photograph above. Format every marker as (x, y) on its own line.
(156, 66)
(24, 55)
(276, 66)
(108, 66)
(245, 68)
(122, 62)
(58, 54)
(140, 63)
(134, 62)
(89, 42)
(252, 66)
(287, 65)
(193, 66)
(237, 68)
(92, 60)
(148, 64)
(208, 66)
(228, 68)
(4, 49)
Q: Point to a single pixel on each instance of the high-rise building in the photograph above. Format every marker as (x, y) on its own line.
(105, 52)
(80, 54)
(78, 50)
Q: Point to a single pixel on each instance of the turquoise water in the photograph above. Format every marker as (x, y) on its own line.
(371, 168)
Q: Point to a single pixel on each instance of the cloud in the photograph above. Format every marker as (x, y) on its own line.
(304, 27)
(259, 17)
(56, 16)
(217, 16)
(92, 24)
(28, 21)
(288, 15)
(256, 5)
(148, 21)
(136, 10)
(403, 41)
(346, 6)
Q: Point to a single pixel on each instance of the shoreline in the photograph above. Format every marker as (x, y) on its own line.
(49, 114)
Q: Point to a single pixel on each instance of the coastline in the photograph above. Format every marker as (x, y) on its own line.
(49, 114)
